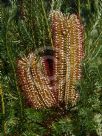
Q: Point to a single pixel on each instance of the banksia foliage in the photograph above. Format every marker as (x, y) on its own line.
(42, 89)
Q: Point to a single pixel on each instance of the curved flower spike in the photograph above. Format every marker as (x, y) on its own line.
(34, 83)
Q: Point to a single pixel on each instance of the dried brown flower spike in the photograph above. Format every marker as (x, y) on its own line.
(35, 81)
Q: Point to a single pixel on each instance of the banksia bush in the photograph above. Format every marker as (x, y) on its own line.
(42, 89)
(50, 84)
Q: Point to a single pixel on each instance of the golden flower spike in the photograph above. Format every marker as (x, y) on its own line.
(74, 55)
(42, 89)
(67, 42)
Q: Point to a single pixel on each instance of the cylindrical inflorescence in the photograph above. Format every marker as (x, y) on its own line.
(75, 55)
(34, 83)
(67, 42)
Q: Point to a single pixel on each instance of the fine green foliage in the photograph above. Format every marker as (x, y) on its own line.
(24, 27)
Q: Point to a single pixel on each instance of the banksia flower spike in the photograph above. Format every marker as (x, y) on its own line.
(34, 83)
(67, 43)
(44, 88)
(74, 55)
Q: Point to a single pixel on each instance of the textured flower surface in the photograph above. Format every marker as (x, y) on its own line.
(49, 81)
